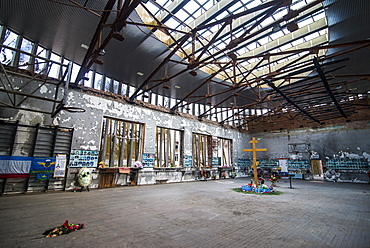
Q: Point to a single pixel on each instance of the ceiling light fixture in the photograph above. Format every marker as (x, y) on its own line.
(193, 73)
(101, 52)
(292, 26)
(276, 28)
(84, 46)
(118, 36)
(140, 73)
(232, 56)
(177, 87)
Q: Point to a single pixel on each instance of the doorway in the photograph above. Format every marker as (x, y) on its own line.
(316, 166)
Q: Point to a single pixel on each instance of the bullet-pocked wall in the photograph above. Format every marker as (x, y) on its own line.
(350, 140)
(88, 126)
(343, 150)
(88, 130)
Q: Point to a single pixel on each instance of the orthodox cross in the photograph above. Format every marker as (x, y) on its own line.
(255, 150)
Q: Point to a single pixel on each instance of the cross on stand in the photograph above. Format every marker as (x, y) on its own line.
(255, 150)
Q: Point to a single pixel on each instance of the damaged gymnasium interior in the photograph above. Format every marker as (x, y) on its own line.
(163, 91)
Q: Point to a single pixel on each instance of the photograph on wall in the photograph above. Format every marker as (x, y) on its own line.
(60, 165)
(244, 162)
(216, 161)
(148, 160)
(83, 158)
(188, 161)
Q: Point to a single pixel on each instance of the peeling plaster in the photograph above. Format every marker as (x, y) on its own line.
(56, 121)
(30, 118)
(366, 155)
(66, 120)
(349, 155)
(91, 148)
(43, 89)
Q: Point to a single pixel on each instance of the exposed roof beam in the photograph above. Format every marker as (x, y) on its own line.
(327, 87)
(290, 101)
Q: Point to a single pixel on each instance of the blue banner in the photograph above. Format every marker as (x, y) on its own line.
(42, 164)
(43, 176)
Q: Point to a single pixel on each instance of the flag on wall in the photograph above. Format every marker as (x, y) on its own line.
(43, 176)
(42, 165)
(15, 166)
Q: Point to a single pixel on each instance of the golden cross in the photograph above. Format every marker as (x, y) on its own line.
(255, 150)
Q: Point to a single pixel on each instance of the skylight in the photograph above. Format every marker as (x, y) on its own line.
(185, 15)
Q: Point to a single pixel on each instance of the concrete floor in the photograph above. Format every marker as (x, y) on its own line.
(196, 214)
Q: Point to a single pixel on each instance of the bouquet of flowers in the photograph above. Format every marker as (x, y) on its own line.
(274, 179)
(63, 229)
(204, 173)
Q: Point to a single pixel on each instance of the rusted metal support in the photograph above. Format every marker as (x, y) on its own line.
(29, 95)
(345, 44)
(235, 16)
(65, 93)
(94, 41)
(290, 101)
(205, 48)
(147, 80)
(265, 14)
(248, 120)
(234, 43)
(224, 100)
(155, 26)
(96, 45)
(326, 84)
(10, 84)
(199, 86)
(243, 107)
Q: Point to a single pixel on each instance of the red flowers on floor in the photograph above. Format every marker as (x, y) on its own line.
(63, 229)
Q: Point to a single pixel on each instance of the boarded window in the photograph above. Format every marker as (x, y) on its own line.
(169, 147)
(202, 150)
(122, 143)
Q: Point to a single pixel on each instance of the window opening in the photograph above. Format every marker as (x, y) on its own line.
(24, 59)
(10, 40)
(169, 147)
(122, 142)
(40, 64)
(55, 70)
(98, 81)
(202, 150)
(222, 151)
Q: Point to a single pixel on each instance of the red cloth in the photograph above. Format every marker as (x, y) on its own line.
(14, 175)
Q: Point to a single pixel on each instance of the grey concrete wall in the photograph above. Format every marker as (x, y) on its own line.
(351, 140)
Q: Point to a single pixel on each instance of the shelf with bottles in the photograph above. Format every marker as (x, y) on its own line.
(298, 164)
(347, 164)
